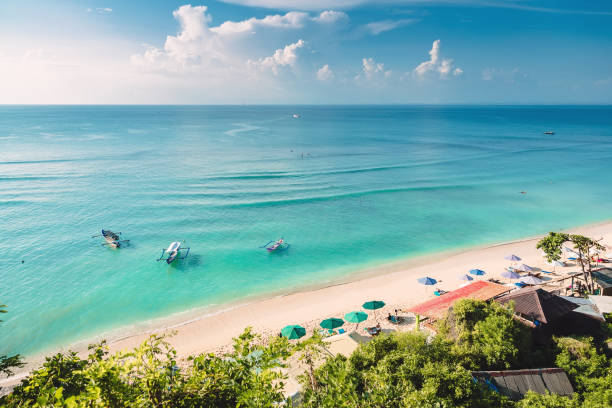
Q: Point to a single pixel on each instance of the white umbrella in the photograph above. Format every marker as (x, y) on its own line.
(524, 268)
(531, 280)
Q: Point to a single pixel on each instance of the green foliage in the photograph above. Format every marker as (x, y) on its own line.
(552, 245)
(391, 371)
(398, 370)
(149, 377)
(535, 400)
(589, 369)
(486, 336)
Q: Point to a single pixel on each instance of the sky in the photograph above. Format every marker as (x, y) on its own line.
(305, 52)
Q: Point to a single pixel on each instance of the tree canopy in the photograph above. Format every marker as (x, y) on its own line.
(411, 369)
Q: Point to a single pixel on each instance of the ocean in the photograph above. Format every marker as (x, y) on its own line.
(348, 187)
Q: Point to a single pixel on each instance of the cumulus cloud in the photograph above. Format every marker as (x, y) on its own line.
(372, 70)
(282, 57)
(199, 45)
(437, 65)
(325, 73)
(378, 27)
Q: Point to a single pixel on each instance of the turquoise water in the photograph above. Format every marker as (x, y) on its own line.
(375, 184)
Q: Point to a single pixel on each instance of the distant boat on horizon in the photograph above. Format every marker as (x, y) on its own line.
(549, 132)
(296, 116)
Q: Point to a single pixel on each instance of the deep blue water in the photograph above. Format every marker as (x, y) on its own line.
(347, 187)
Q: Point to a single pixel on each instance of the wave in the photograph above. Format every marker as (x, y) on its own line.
(301, 200)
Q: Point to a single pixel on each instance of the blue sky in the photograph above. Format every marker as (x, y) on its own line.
(306, 51)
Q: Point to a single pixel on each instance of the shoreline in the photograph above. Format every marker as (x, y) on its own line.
(210, 329)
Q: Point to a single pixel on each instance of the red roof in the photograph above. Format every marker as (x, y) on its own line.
(436, 308)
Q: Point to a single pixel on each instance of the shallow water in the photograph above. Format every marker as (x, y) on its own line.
(347, 187)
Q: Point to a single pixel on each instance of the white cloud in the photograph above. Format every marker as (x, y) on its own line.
(378, 27)
(372, 70)
(199, 47)
(442, 66)
(282, 57)
(325, 73)
(290, 20)
(100, 10)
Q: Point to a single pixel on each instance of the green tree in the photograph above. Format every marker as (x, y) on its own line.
(148, 376)
(486, 336)
(552, 245)
(548, 400)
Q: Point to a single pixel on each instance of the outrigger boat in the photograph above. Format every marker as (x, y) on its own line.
(112, 239)
(278, 245)
(172, 252)
(549, 132)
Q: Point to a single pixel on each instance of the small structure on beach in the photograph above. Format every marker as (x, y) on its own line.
(515, 383)
(537, 305)
(436, 308)
(548, 314)
(603, 280)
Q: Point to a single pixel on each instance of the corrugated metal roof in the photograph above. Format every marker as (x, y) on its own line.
(436, 308)
(586, 307)
(515, 383)
(603, 276)
(538, 304)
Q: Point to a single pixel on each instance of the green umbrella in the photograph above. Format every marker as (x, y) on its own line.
(332, 323)
(356, 317)
(293, 332)
(373, 305)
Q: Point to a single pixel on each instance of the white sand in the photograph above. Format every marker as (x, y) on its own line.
(397, 287)
(395, 284)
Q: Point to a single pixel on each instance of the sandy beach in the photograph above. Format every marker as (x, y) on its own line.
(397, 288)
(395, 284)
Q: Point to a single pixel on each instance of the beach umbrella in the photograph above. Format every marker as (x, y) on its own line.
(293, 332)
(557, 263)
(356, 317)
(531, 280)
(331, 323)
(513, 258)
(373, 305)
(524, 268)
(427, 281)
(465, 277)
(510, 275)
(478, 272)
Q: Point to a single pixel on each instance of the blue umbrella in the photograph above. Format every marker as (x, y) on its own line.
(513, 258)
(427, 281)
(478, 272)
(510, 275)
(466, 277)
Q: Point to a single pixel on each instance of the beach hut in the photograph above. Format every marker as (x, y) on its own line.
(537, 305)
